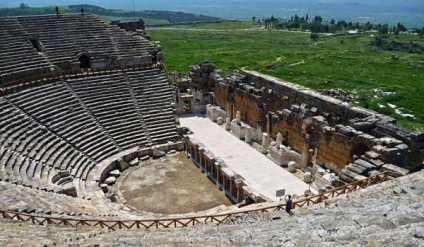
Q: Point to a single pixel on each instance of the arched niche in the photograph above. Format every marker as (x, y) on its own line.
(85, 62)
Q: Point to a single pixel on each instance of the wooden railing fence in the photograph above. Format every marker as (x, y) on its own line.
(191, 221)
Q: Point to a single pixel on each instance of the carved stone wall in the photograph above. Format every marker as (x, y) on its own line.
(323, 129)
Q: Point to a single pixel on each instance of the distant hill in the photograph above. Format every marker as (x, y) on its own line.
(172, 17)
(161, 16)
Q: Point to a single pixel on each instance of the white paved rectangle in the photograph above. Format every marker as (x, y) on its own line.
(261, 173)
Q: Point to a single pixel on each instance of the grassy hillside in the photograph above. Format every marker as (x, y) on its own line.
(348, 62)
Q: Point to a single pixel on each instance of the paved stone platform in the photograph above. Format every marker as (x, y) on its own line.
(264, 176)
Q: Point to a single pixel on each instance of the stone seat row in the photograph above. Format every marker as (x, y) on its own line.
(153, 97)
(53, 112)
(111, 104)
(19, 170)
(47, 149)
(25, 200)
(20, 73)
(23, 53)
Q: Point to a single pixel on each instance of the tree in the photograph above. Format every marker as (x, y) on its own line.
(401, 27)
(396, 31)
(326, 29)
(384, 29)
(253, 18)
(23, 6)
(314, 36)
(296, 18)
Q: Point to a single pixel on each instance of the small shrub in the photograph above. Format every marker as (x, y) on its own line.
(314, 36)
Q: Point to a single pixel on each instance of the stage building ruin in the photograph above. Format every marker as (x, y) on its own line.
(314, 129)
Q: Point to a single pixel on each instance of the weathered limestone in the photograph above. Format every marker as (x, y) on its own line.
(115, 173)
(214, 112)
(219, 120)
(134, 162)
(238, 118)
(248, 136)
(292, 167)
(389, 167)
(265, 143)
(110, 180)
(228, 124)
(237, 129)
(122, 165)
(157, 153)
(259, 133)
(307, 177)
(279, 140)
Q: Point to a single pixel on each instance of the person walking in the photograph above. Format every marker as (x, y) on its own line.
(289, 204)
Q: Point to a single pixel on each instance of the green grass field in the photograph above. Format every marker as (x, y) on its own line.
(346, 62)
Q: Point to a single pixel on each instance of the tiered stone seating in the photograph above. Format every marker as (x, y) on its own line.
(19, 58)
(24, 141)
(55, 107)
(29, 235)
(125, 43)
(67, 35)
(109, 100)
(26, 200)
(75, 124)
(52, 135)
(154, 97)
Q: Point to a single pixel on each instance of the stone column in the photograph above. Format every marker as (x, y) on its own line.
(314, 159)
(264, 148)
(196, 154)
(231, 180)
(201, 156)
(228, 124)
(279, 140)
(311, 156)
(305, 155)
(248, 137)
(239, 187)
(218, 171)
(238, 117)
(259, 132)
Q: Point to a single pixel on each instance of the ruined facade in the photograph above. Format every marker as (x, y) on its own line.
(321, 129)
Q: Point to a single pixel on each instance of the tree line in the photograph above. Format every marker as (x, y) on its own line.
(317, 24)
